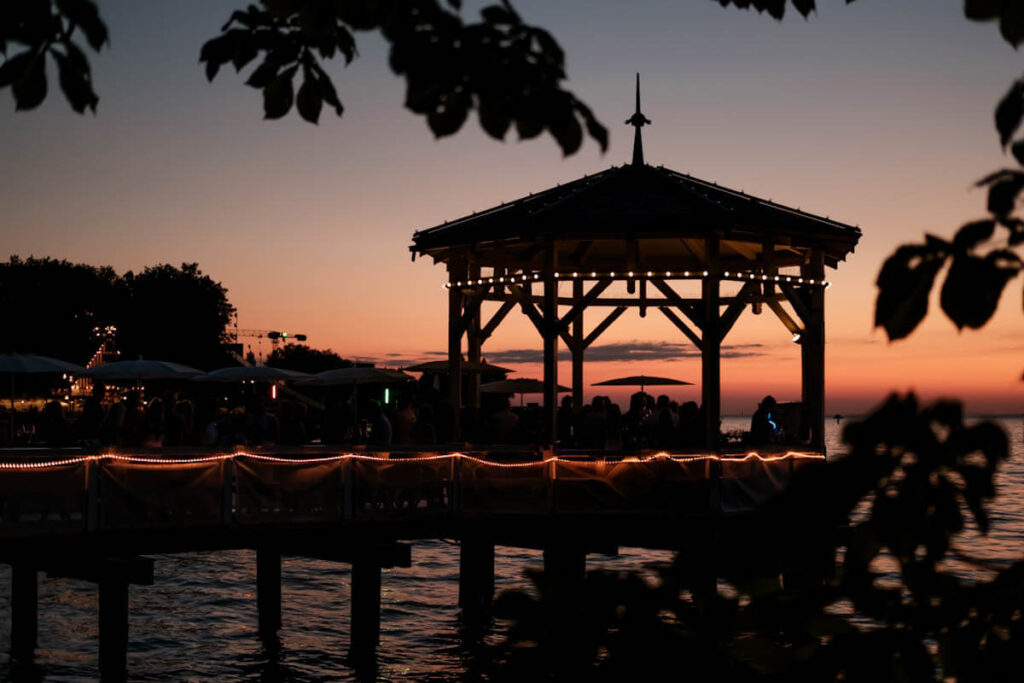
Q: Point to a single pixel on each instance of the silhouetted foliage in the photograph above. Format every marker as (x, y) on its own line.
(54, 308)
(811, 599)
(51, 307)
(45, 28)
(175, 314)
(306, 359)
(511, 73)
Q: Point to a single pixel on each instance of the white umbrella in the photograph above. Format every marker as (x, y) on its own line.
(467, 366)
(245, 373)
(140, 369)
(27, 363)
(357, 375)
(519, 385)
(20, 363)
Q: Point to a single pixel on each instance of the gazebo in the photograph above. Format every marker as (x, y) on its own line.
(651, 228)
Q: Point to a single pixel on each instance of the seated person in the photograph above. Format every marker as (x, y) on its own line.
(763, 426)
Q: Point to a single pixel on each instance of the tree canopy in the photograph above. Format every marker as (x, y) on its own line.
(306, 359)
(58, 308)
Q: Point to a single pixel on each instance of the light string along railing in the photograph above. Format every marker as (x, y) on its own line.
(140, 460)
(732, 275)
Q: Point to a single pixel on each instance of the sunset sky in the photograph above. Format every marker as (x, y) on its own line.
(877, 114)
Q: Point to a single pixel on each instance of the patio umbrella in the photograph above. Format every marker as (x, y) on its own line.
(641, 381)
(140, 369)
(467, 366)
(20, 363)
(258, 373)
(27, 363)
(520, 385)
(354, 377)
(357, 375)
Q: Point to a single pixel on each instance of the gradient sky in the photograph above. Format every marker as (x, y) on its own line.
(877, 114)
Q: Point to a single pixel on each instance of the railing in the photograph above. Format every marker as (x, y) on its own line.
(126, 492)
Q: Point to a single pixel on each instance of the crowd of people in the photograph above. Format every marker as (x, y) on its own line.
(413, 419)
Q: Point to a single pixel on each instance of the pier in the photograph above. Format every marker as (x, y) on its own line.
(97, 518)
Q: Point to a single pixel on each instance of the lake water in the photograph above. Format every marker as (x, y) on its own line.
(198, 620)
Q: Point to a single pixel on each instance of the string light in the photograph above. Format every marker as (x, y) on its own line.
(223, 457)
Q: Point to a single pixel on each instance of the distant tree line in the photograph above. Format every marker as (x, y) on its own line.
(57, 308)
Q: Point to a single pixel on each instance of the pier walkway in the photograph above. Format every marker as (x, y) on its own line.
(96, 517)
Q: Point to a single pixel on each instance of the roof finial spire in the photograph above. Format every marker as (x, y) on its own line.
(637, 120)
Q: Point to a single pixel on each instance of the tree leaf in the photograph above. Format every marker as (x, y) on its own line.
(308, 100)
(972, 289)
(1009, 112)
(494, 117)
(30, 88)
(262, 75)
(14, 68)
(1002, 194)
(278, 96)
(969, 235)
(75, 83)
(83, 13)
(904, 283)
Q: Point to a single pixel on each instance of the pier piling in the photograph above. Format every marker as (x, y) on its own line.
(476, 575)
(113, 594)
(24, 610)
(365, 634)
(268, 590)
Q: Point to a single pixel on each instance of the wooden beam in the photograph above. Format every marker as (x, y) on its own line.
(487, 330)
(580, 253)
(683, 327)
(686, 306)
(525, 301)
(796, 300)
(456, 271)
(736, 308)
(711, 350)
(582, 303)
(576, 349)
(550, 324)
(604, 325)
(787, 320)
(470, 308)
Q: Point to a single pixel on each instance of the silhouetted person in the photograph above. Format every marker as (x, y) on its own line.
(54, 430)
(613, 427)
(592, 435)
(380, 426)
(423, 432)
(153, 427)
(402, 421)
(565, 423)
(87, 426)
(763, 428)
(504, 423)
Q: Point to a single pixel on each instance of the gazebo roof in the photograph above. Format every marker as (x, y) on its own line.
(640, 216)
(640, 202)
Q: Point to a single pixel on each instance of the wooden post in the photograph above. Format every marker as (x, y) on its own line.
(473, 344)
(711, 347)
(812, 349)
(476, 575)
(456, 273)
(24, 610)
(268, 590)
(113, 594)
(577, 349)
(550, 314)
(365, 634)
